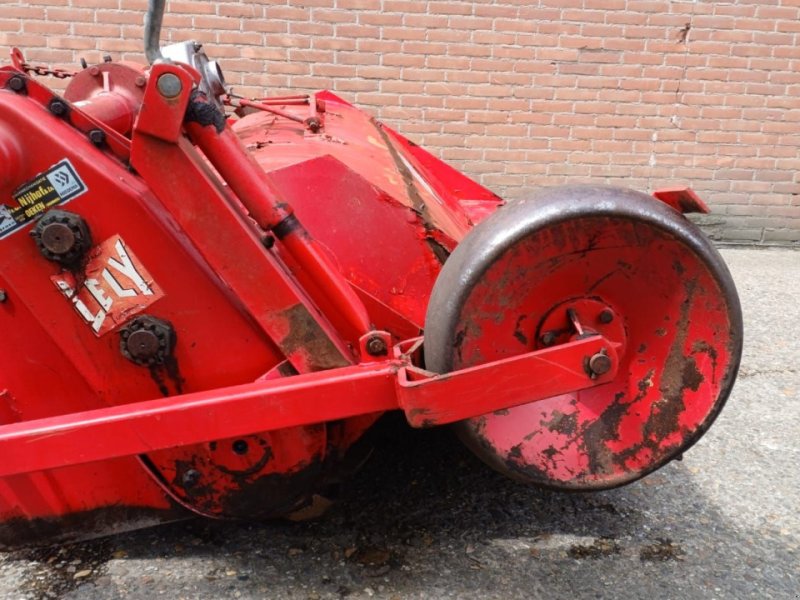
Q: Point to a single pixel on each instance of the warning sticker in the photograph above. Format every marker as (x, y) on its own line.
(58, 185)
(115, 287)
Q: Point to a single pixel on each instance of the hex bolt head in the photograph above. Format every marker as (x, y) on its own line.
(97, 137)
(599, 364)
(94, 71)
(169, 85)
(58, 107)
(16, 83)
(147, 341)
(62, 237)
(376, 347)
(605, 317)
(140, 81)
(190, 478)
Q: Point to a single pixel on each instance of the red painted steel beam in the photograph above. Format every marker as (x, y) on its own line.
(151, 425)
(427, 399)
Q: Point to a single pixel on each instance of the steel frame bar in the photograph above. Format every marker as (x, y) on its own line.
(428, 399)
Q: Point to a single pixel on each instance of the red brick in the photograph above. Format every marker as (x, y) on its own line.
(516, 93)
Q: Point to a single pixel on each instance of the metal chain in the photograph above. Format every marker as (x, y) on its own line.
(44, 70)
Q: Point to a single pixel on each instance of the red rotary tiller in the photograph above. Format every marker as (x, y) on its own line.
(201, 314)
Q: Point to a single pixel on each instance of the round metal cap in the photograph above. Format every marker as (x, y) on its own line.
(58, 238)
(142, 344)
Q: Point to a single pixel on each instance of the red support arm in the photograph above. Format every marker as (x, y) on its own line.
(427, 399)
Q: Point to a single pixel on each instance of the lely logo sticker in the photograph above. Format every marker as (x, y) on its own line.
(115, 287)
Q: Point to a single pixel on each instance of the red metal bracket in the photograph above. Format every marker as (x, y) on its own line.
(684, 200)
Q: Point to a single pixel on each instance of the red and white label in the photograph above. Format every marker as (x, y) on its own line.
(115, 287)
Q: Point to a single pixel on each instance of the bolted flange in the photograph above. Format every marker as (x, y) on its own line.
(62, 237)
(147, 341)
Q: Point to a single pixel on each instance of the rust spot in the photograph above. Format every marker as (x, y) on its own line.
(523, 339)
(566, 424)
(702, 346)
(691, 376)
(595, 435)
(307, 336)
(676, 376)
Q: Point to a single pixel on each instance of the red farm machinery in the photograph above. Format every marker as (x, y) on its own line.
(202, 311)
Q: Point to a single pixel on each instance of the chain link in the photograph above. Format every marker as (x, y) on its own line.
(44, 70)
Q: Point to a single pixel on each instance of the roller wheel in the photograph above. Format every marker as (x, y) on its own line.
(612, 261)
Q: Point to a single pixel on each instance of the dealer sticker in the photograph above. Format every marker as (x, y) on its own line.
(58, 185)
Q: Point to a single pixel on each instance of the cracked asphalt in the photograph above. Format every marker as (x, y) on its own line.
(424, 519)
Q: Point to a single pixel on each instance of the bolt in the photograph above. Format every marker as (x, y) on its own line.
(240, 447)
(94, 71)
(190, 478)
(106, 58)
(268, 241)
(147, 340)
(376, 346)
(313, 124)
(548, 339)
(169, 85)
(605, 316)
(16, 83)
(58, 107)
(599, 364)
(140, 81)
(62, 237)
(142, 345)
(97, 137)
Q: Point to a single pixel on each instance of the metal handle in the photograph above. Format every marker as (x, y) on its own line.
(152, 30)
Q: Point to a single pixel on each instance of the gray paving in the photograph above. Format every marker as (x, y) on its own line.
(424, 519)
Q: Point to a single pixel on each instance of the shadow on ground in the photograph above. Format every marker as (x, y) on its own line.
(425, 518)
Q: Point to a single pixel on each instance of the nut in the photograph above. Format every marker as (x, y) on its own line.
(376, 346)
(147, 340)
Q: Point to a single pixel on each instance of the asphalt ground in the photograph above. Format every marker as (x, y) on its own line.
(424, 519)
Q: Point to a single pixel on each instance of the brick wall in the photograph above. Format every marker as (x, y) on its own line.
(518, 94)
